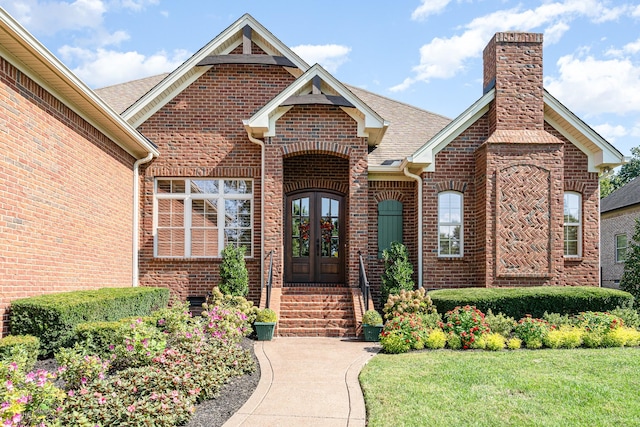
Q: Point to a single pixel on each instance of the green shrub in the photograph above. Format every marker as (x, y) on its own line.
(53, 317)
(371, 317)
(436, 339)
(499, 323)
(432, 320)
(408, 301)
(495, 341)
(98, 338)
(518, 302)
(514, 343)
(564, 337)
(453, 341)
(137, 343)
(398, 271)
(266, 315)
(25, 345)
(234, 277)
(231, 302)
(226, 324)
(531, 331)
(468, 323)
(630, 280)
(629, 316)
(592, 339)
(172, 319)
(394, 343)
(558, 320)
(598, 322)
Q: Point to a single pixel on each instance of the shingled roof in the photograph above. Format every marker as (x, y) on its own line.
(624, 197)
(409, 127)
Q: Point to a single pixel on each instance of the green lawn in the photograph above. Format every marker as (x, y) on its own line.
(582, 387)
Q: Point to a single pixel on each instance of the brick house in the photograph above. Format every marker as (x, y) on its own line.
(66, 177)
(260, 150)
(618, 214)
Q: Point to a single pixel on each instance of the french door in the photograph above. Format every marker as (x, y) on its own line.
(314, 235)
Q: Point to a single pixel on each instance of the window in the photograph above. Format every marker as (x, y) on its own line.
(621, 247)
(572, 224)
(197, 218)
(450, 224)
(389, 224)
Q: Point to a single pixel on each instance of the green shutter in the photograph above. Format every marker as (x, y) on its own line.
(389, 224)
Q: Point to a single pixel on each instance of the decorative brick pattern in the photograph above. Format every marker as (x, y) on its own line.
(523, 221)
(65, 220)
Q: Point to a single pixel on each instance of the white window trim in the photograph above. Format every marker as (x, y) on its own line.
(188, 197)
(444, 224)
(616, 248)
(579, 224)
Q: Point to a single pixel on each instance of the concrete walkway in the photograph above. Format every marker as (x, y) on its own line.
(307, 382)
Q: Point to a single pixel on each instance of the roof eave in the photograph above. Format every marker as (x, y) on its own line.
(26, 53)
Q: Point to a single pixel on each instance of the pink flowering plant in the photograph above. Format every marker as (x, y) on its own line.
(28, 399)
(137, 344)
(78, 368)
(226, 324)
(467, 323)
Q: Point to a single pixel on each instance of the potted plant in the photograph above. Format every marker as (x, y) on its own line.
(265, 324)
(372, 325)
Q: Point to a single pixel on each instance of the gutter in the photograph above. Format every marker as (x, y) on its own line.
(136, 217)
(418, 179)
(262, 201)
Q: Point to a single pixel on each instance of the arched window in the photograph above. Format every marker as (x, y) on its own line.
(450, 224)
(572, 224)
(389, 224)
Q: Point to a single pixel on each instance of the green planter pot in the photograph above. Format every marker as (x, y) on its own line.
(264, 330)
(372, 332)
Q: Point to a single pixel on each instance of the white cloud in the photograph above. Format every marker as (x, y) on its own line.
(609, 86)
(137, 5)
(611, 132)
(50, 17)
(446, 57)
(428, 8)
(330, 56)
(106, 67)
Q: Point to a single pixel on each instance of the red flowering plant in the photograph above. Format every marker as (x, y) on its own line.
(466, 322)
(409, 327)
(532, 331)
(594, 321)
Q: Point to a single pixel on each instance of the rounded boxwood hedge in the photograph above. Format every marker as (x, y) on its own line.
(518, 302)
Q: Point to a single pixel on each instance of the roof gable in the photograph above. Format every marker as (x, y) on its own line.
(317, 86)
(222, 45)
(600, 153)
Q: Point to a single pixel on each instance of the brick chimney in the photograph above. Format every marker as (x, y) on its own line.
(513, 65)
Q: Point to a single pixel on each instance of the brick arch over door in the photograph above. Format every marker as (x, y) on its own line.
(316, 170)
(316, 147)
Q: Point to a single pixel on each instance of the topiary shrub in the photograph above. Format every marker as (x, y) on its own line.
(267, 315)
(398, 271)
(234, 277)
(371, 317)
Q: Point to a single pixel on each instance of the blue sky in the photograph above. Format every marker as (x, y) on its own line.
(427, 53)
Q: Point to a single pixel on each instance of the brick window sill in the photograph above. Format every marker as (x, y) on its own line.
(573, 259)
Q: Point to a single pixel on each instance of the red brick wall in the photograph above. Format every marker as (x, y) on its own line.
(455, 170)
(200, 133)
(584, 271)
(406, 193)
(325, 131)
(514, 62)
(66, 215)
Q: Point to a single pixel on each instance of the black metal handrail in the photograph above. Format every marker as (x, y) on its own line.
(364, 283)
(269, 279)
